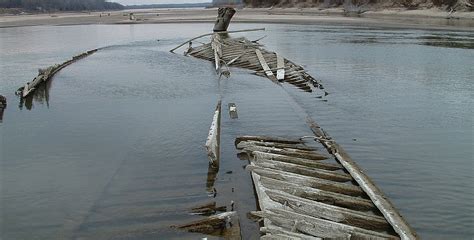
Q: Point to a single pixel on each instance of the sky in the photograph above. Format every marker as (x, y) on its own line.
(137, 2)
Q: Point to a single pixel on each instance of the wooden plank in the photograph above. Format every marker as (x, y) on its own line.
(306, 181)
(233, 111)
(216, 46)
(305, 171)
(281, 67)
(266, 139)
(244, 144)
(376, 195)
(329, 212)
(48, 73)
(337, 199)
(297, 161)
(213, 139)
(274, 232)
(264, 65)
(318, 227)
(289, 152)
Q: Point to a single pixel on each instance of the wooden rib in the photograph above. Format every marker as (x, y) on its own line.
(273, 144)
(267, 139)
(274, 232)
(264, 65)
(298, 161)
(319, 227)
(329, 212)
(306, 171)
(306, 181)
(341, 200)
(290, 152)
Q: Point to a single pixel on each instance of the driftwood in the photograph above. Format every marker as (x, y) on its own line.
(45, 75)
(224, 15)
(213, 139)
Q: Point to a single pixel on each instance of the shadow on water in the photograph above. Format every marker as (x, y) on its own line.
(40, 95)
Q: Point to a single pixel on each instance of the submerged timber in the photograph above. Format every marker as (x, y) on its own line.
(302, 193)
(46, 74)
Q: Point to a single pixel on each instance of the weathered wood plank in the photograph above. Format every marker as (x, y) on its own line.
(318, 227)
(244, 144)
(264, 65)
(275, 232)
(266, 139)
(281, 67)
(305, 171)
(297, 161)
(213, 139)
(306, 181)
(289, 152)
(399, 224)
(337, 199)
(329, 212)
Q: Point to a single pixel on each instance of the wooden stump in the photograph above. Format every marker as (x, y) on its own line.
(224, 15)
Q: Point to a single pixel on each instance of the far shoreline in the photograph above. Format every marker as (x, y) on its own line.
(428, 19)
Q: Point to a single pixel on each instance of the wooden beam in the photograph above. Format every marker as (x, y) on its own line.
(305, 171)
(213, 139)
(319, 227)
(265, 66)
(289, 152)
(376, 195)
(329, 212)
(281, 67)
(297, 161)
(306, 181)
(337, 199)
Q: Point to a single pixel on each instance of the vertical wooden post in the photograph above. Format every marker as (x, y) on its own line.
(224, 15)
(3, 105)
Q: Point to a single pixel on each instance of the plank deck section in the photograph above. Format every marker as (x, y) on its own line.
(308, 196)
(242, 53)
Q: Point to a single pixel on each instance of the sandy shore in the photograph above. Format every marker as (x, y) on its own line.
(423, 19)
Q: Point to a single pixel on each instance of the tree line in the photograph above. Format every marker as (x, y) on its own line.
(60, 5)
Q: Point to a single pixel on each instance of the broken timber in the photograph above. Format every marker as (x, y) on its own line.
(45, 75)
(3, 105)
(213, 139)
(302, 195)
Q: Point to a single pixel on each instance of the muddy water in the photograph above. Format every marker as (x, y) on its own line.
(112, 148)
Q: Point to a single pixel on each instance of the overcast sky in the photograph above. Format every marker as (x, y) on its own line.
(137, 2)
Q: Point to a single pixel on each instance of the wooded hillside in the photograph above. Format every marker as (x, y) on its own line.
(60, 5)
(466, 5)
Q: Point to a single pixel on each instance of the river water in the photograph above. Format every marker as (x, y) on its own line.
(112, 147)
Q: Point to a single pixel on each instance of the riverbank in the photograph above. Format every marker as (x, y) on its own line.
(398, 18)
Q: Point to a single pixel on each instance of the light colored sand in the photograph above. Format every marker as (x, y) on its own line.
(430, 18)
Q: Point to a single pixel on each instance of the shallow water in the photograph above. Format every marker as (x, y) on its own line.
(112, 148)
